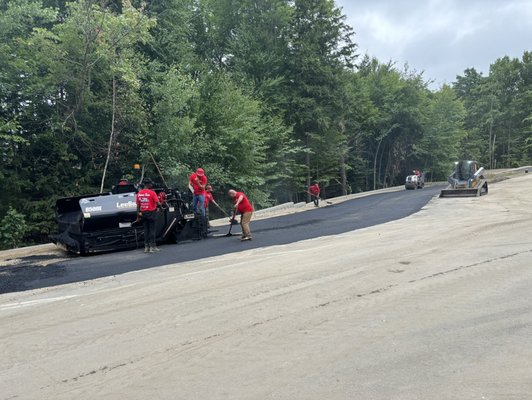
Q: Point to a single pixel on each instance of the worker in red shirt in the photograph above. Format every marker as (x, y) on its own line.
(162, 199)
(197, 182)
(244, 207)
(209, 198)
(314, 192)
(147, 203)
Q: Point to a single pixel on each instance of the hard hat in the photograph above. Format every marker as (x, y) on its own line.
(200, 172)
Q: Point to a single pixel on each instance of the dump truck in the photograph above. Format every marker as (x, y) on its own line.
(467, 180)
(108, 221)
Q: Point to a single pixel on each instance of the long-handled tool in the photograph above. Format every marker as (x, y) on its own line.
(319, 198)
(231, 224)
(221, 209)
(232, 221)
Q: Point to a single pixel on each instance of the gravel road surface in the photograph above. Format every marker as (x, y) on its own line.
(437, 305)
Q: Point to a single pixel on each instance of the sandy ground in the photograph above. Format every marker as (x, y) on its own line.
(434, 306)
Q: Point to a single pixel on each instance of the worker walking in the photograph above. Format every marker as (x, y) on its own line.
(197, 183)
(314, 192)
(244, 207)
(147, 203)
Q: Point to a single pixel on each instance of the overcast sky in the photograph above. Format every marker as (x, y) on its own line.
(441, 37)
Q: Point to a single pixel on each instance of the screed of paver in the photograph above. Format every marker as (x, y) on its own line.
(434, 306)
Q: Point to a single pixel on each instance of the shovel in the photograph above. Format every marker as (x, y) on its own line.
(231, 223)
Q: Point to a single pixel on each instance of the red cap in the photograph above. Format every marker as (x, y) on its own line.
(200, 172)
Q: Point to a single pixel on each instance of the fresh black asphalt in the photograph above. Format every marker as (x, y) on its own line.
(329, 220)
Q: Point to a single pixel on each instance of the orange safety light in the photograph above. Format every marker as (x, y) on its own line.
(136, 166)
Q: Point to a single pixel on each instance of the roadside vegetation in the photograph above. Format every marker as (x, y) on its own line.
(266, 96)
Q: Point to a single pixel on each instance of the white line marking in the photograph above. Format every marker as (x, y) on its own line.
(28, 303)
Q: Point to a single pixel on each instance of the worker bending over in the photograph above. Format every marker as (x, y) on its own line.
(244, 207)
(314, 192)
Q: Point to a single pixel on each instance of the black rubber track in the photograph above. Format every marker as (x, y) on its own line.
(330, 220)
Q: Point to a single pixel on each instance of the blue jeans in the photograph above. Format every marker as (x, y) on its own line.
(199, 199)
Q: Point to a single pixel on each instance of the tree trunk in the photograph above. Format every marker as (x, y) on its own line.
(387, 172)
(375, 165)
(490, 143)
(142, 173)
(493, 160)
(111, 136)
(307, 161)
(508, 159)
(379, 170)
(343, 175)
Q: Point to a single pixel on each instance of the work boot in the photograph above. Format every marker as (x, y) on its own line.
(146, 249)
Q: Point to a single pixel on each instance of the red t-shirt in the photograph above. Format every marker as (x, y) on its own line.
(147, 200)
(195, 185)
(315, 190)
(208, 198)
(244, 206)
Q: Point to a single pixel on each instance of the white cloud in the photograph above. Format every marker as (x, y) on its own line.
(385, 31)
(442, 37)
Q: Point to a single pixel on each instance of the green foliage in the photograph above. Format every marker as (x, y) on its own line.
(498, 110)
(264, 95)
(443, 133)
(12, 229)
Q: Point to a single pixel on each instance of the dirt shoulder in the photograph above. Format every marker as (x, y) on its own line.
(436, 305)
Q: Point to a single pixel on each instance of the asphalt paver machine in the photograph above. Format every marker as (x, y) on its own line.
(108, 221)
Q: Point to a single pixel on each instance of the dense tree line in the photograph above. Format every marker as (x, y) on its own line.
(267, 96)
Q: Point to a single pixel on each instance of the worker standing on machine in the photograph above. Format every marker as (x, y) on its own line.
(147, 203)
(197, 183)
(244, 207)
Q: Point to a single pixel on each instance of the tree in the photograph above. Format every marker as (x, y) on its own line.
(265, 95)
(443, 123)
(497, 111)
(68, 73)
(399, 100)
(12, 229)
(320, 48)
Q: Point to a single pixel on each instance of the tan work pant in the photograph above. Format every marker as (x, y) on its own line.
(244, 223)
